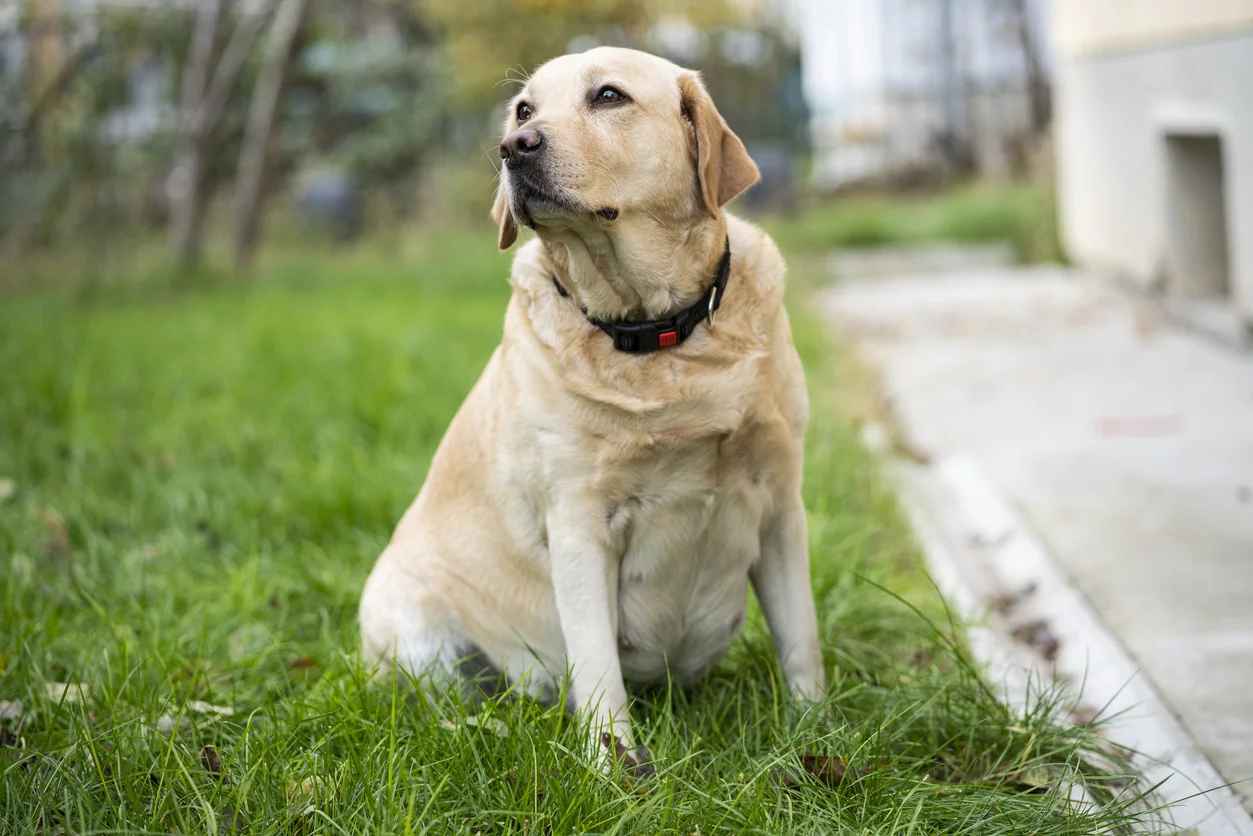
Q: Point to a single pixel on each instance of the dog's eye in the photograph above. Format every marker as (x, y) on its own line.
(609, 96)
(524, 112)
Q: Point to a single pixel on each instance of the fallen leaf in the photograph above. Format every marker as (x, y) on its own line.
(1083, 715)
(168, 724)
(302, 662)
(67, 692)
(7, 488)
(906, 449)
(210, 759)
(10, 709)
(315, 786)
(827, 769)
(202, 707)
(58, 535)
(496, 727)
(1006, 601)
(1035, 780)
(1038, 636)
(491, 724)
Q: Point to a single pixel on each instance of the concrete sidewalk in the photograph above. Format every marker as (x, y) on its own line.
(1117, 447)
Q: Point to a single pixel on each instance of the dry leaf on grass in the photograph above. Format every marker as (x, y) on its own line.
(58, 535)
(210, 759)
(302, 662)
(1084, 715)
(67, 692)
(169, 724)
(10, 709)
(826, 769)
(202, 707)
(496, 727)
(491, 724)
(315, 786)
(1039, 636)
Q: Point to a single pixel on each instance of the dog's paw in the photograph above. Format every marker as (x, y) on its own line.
(637, 762)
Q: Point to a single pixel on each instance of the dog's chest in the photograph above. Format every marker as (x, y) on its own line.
(687, 546)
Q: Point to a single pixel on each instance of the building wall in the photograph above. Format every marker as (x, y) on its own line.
(1117, 109)
(1089, 27)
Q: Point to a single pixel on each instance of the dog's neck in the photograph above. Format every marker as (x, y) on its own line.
(641, 270)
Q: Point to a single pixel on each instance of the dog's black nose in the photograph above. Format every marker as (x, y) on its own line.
(521, 145)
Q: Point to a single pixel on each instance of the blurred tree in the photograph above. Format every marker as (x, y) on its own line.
(369, 99)
(202, 102)
(487, 41)
(265, 104)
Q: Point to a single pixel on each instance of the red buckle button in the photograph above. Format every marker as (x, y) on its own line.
(667, 338)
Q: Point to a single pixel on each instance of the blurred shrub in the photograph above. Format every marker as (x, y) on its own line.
(1022, 214)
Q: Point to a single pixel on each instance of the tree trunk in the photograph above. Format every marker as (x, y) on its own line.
(265, 100)
(187, 179)
(218, 91)
(1039, 94)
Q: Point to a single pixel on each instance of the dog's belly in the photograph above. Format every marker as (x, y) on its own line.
(683, 584)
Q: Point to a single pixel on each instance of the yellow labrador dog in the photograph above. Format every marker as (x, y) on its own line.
(631, 457)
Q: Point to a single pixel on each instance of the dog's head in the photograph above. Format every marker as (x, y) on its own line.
(611, 135)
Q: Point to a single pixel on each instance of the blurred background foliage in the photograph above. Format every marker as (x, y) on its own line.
(120, 120)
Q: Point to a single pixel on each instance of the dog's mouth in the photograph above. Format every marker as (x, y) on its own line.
(534, 199)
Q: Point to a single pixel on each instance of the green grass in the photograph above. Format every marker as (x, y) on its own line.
(1019, 213)
(203, 479)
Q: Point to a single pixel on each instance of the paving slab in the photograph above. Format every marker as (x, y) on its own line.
(1122, 443)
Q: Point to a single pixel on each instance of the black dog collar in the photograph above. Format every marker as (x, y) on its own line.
(642, 337)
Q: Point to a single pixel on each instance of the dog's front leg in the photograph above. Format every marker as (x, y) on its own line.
(585, 580)
(781, 581)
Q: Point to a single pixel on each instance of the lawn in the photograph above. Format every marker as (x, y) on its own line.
(1019, 213)
(197, 481)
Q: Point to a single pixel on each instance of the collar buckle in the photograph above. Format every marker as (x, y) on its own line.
(643, 337)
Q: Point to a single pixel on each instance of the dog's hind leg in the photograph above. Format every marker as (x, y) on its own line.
(407, 629)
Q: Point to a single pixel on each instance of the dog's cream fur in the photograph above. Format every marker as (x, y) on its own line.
(598, 512)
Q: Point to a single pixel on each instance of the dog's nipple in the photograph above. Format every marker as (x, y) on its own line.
(624, 643)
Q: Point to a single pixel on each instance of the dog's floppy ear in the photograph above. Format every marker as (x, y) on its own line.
(722, 164)
(504, 220)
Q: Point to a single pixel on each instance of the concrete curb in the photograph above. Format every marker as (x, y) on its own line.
(1001, 579)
